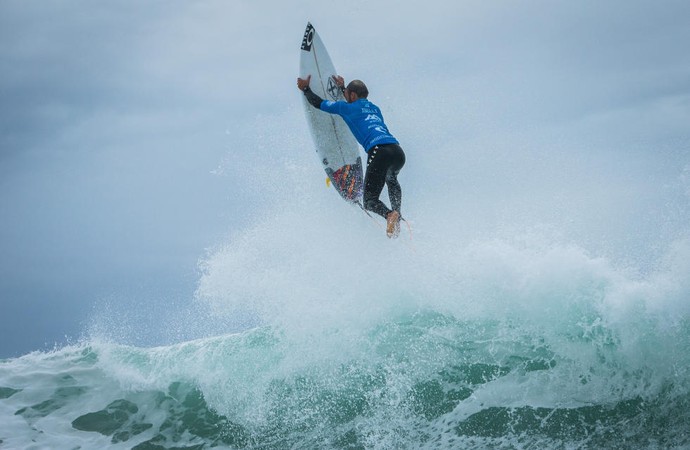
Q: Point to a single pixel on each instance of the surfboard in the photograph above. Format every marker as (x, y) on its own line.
(335, 145)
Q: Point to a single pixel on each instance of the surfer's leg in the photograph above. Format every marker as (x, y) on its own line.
(397, 161)
(394, 190)
(395, 195)
(373, 185)
(374, 180)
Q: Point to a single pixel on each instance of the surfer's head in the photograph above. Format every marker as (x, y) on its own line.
(358, 88)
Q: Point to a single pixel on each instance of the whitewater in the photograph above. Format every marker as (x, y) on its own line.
(506, 319)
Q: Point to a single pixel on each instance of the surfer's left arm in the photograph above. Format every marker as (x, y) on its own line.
(340, 82)
(312, 98)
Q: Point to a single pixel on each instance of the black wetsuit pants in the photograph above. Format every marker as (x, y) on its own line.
(383, 164)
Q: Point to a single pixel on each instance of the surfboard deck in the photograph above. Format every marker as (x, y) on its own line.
(335, 145)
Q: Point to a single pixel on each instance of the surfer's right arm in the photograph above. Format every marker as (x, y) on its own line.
(313, 99)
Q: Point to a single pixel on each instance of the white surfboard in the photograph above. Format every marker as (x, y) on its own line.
(335, 145)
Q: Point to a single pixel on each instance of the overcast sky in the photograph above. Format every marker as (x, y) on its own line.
(133, 135)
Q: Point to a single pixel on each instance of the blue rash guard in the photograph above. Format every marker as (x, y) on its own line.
(364, 119)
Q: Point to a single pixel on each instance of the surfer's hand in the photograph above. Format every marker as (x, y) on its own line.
(303, 84)
(340, 81)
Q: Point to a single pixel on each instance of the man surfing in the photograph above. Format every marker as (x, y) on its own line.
(385, 157)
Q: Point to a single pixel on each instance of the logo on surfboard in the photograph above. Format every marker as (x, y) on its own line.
(308, 38)
(333, 89)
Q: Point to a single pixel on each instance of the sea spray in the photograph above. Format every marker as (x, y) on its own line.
(310, 329)
(361, 342)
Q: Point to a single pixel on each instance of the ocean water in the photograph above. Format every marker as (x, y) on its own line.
(529, 307)
(526, 342)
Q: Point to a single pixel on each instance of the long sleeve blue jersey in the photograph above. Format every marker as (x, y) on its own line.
(364, 119)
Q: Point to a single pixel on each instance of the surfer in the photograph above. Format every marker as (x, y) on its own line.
(385, 157)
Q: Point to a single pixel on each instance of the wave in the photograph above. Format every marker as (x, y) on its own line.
(309, 329)
(498, 346)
